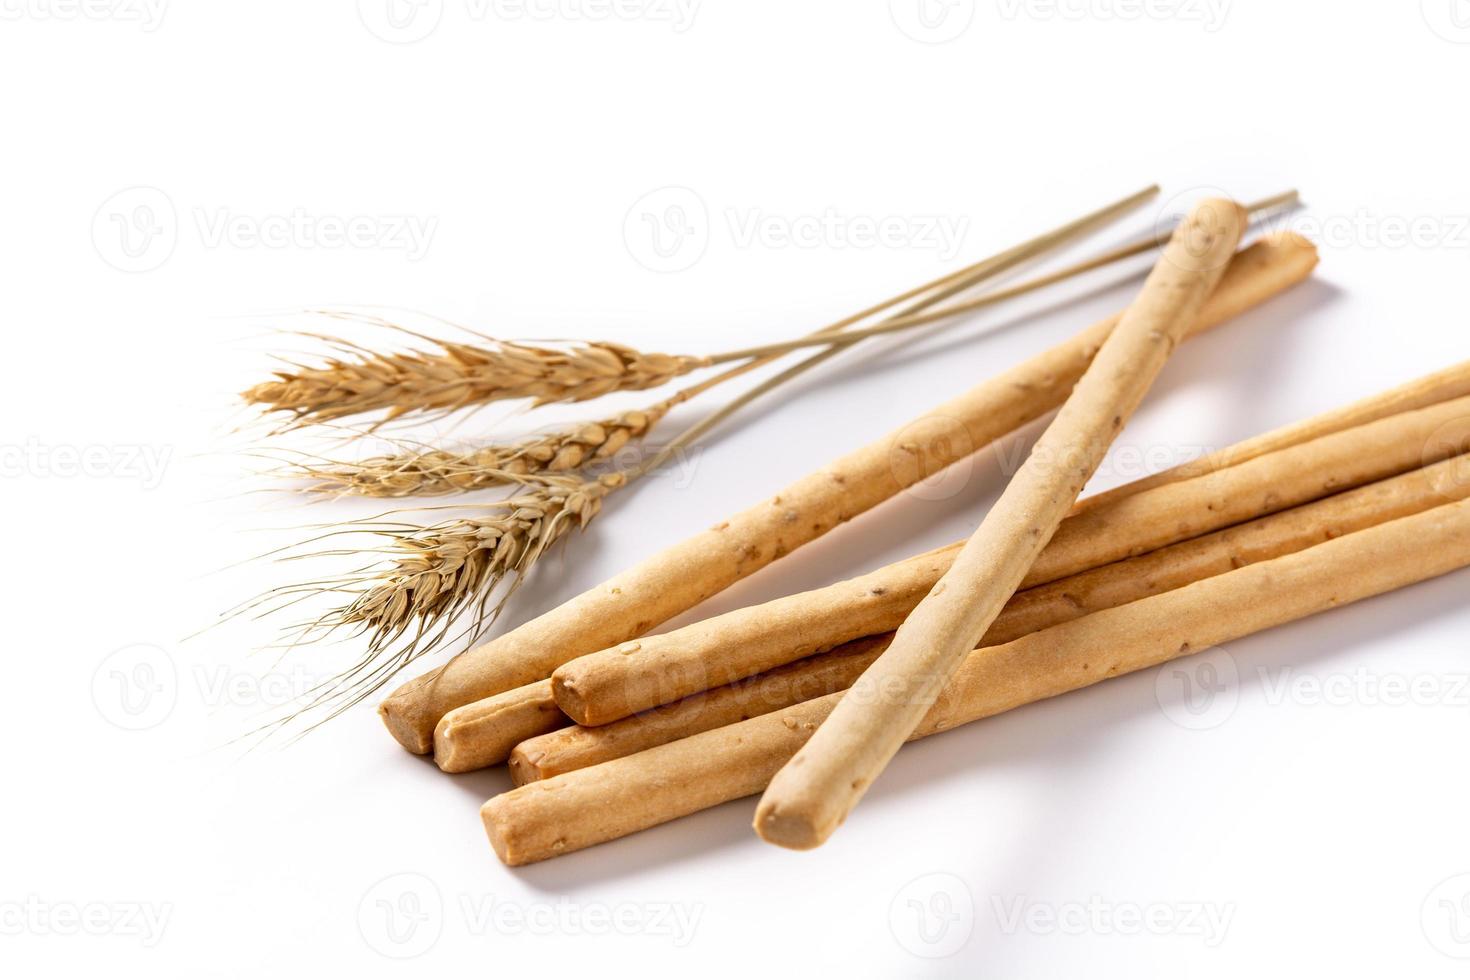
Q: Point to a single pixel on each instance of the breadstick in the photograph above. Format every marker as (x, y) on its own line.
(481, 734)
(1135, 523)
(1441, 386)
(577, 747)
(685, 574)
(589, 806)
(602, 687)
(815, 792)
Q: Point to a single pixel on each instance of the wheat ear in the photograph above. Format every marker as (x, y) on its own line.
(433, 472)
(455, 375)
(424, 578)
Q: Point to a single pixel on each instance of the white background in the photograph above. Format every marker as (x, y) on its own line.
(1283, 830)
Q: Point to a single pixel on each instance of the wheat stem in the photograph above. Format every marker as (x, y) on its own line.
(915, 317)
(460, 374)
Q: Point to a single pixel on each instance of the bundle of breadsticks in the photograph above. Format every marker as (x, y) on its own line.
(608, 730)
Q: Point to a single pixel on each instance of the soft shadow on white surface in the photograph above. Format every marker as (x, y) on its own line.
(1066, 735)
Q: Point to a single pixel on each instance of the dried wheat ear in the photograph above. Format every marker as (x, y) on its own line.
(457, 375)
(434, 472)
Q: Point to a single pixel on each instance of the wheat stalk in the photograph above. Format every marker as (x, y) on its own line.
(434, 472)
(425, 578)
(435, 573)
(456, 375)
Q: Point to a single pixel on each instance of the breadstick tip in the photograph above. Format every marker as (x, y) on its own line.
(1290, 239)
(788, 829)
(523, 768)
(405, 724)
(496, 830)
(446, 748)
(1223, 206)
(570, 700)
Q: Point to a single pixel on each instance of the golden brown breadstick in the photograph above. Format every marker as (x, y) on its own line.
(577, 747)
(685, 574)
(813, 794)
(589, 806)
(602, 687)
(1136, 523)
(1441, 386)
(481, 734)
